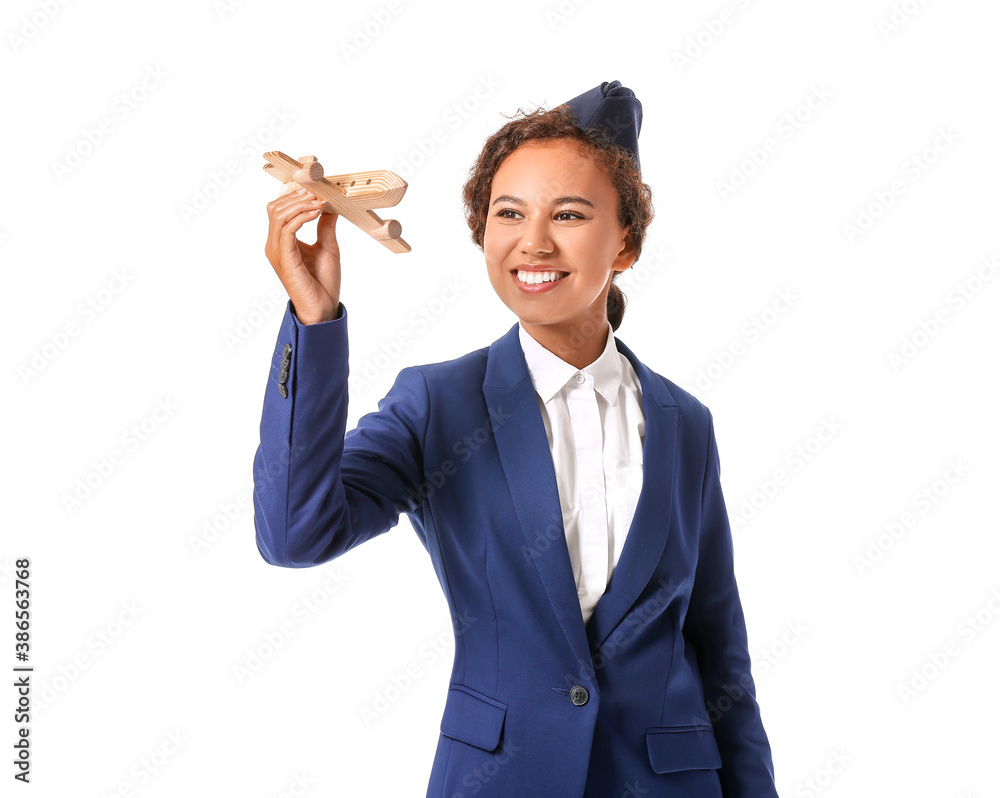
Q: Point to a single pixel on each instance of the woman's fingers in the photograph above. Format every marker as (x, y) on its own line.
(286, 216)
(309, 272)
(292, 224)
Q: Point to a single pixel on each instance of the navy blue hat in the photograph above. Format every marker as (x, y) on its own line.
(612, 108)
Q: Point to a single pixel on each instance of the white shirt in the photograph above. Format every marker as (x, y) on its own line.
(595, 425)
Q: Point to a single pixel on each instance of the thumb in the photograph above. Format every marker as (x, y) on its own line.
(326, 230)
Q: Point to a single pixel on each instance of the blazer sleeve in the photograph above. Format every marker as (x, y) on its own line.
(317, 493)
(715, 626)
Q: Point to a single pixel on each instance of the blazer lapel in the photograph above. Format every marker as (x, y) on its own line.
(647, 536)
(527, 464)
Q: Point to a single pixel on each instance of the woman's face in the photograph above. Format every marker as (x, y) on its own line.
(554, 210)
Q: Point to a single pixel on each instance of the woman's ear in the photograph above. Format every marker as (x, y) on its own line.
(626, 255)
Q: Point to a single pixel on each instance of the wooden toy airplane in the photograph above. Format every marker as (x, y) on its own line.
(352, 196)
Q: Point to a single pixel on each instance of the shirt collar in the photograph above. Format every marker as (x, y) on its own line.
(550, 373)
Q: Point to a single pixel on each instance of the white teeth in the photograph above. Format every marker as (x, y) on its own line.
(534, 278)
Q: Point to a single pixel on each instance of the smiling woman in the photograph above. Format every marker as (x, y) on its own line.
(551, 252)
(609, 147)
(584, 534)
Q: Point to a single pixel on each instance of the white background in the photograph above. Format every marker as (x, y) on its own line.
(190, 324)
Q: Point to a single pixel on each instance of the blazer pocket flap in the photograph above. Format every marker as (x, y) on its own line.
(472, 717)
(673, 748)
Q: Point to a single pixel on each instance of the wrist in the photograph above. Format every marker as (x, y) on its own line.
(308, 318)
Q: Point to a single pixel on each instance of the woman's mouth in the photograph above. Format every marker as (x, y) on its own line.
(537, 277)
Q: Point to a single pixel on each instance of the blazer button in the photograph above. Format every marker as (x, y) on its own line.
(579, 695)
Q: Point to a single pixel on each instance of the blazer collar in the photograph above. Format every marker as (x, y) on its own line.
(506, 367)
(527, 463)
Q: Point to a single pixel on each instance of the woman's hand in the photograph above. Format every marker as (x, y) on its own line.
(310, 273)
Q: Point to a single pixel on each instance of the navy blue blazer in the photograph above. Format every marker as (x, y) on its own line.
(652, 696)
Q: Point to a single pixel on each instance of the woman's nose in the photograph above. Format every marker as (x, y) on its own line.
(536, 236)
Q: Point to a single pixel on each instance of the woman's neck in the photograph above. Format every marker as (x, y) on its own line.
(578, 344)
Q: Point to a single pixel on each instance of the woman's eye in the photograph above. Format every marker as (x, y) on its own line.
(561, 216)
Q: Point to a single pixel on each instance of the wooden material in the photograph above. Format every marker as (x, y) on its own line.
(352, 196)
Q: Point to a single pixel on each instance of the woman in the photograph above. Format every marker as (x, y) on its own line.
(608, 654)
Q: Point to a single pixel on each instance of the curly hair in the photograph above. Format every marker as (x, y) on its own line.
(635, 203)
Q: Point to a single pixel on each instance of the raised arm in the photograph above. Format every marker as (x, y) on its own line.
(312, 500)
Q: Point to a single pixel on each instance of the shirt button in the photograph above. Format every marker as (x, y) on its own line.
(579, 695)
(579, 378)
